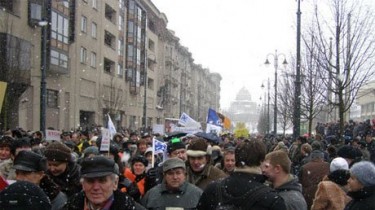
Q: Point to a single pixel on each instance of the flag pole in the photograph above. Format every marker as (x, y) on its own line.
(109, 149)
(153, 152)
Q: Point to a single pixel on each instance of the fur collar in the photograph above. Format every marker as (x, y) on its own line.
(248, 169)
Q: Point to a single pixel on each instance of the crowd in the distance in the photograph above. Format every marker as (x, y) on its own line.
(261, 172)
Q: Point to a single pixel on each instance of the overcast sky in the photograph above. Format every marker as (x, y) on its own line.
(234, 37)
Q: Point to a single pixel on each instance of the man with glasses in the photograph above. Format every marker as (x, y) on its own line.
(174, 192)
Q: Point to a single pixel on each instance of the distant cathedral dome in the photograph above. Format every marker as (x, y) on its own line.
(243, 95)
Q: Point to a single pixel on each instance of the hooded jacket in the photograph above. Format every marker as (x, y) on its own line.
(291, 192)
(238, 189)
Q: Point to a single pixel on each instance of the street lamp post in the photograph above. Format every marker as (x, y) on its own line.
(297, 95)
(43, 84)
(144, 117)
(276, 65)
(267, 100)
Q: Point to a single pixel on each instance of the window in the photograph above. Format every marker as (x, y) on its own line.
(151, 45)
(59, 59)
(95, 4)
(120, 23)
(35, 11)
(59, 27)
(83, 55)
(109, 66)
(52, 96)
(83, 24)
(109, 39)
(120, 70)
(7, 5)
(93, 29)
(120, 47)
(93, 59)
(150, 83)
(110, 13)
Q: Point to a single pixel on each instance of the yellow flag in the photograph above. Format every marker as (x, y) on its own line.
(3, 87)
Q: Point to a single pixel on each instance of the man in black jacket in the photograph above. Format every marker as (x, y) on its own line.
(244, 188)
(99, 181)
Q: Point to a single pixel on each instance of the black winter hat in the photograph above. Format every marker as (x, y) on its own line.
(339, 177)
(6, 141)
(98, 166)
(175, 144)
(348, 152)
(24, 195)
(139, 158)
(30, 161)
(18, 143)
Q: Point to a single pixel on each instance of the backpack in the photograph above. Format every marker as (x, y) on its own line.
(249, 199)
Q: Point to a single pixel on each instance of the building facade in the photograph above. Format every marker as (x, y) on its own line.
(113, 57)
(244, 110)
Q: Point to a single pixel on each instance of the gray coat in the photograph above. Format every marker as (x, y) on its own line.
(291, 192)
(59, 201)
(159, 197)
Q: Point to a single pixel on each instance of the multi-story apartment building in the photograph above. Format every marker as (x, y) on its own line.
(113, 57)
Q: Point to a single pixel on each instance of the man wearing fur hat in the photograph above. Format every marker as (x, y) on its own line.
(199, 170)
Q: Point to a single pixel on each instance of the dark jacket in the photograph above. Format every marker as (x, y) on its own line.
(52, 190)
(159, 197)
(69, 180)
(291, 192)
(311, 174)
(371, 149)
(362, 200)
(238, 188)
(121, 202)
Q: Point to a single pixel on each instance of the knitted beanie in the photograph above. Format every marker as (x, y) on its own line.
(364, 171)
(57, 151)
(338, 163)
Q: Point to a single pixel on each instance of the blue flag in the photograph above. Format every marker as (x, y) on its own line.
(159, 147)
(213, 118)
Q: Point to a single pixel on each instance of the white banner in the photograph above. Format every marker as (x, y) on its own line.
(53, 135)
(189, 130)
(106, 139)
(158, 128)
(187, 121)
(213, 128)
(111, 127)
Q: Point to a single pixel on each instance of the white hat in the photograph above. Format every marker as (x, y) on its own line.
(338, 163)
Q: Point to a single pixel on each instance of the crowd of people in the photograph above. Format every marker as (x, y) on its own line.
(196, 172)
